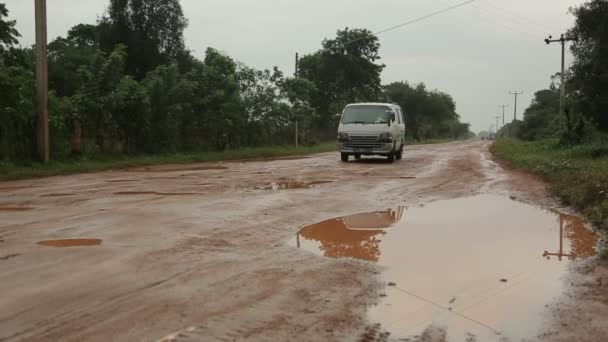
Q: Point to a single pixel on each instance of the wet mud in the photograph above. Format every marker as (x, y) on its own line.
(14, 188)
(217, 267)
(174, 168)
(9, 256)
(57, 195)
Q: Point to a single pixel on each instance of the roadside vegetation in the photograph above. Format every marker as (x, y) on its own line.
(127, 85)
(570, 151)
(24, 170)
(577, 174)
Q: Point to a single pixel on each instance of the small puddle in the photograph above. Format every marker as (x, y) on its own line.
(10, 256)
(134, 193)
(61, 243)
(170, 168)
(58, 195)
(13, 188)
(289, 185)
(16, 208)
(479, 266)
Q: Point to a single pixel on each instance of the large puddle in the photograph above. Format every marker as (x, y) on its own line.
(482, 267)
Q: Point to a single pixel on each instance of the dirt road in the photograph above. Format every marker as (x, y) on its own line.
(210, 252)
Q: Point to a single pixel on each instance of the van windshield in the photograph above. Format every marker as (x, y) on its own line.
(366, 115)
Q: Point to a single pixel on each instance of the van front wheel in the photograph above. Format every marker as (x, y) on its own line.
(399, 155)
(391, 157)
(344, 157)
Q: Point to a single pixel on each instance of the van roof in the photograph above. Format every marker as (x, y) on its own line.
(373, 104)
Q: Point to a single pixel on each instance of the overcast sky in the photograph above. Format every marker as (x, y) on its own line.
(476, 53)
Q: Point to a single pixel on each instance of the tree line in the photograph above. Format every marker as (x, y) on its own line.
(586, 111)
(128, 84)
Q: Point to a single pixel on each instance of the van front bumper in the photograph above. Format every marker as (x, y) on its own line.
(376, 149)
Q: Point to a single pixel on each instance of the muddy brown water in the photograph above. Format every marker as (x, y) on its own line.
(10, 208)
(289, 185)
(62, 243)
(135, 193)
(483, 266)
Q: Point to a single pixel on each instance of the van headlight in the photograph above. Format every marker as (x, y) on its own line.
(343, 137)
(385, 138)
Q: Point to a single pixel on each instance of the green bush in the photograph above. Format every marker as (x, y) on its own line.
(577, 174)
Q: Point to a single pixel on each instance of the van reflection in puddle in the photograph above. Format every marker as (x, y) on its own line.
(355, 236)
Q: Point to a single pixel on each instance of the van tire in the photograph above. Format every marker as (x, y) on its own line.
(344, 157)
(391, 157)
(399, 154)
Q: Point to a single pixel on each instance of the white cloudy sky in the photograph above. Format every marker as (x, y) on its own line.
(477, 52)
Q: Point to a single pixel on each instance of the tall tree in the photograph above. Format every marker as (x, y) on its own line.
(68, 55)
(590, 68)
(8, 32)
(541, 118)
(344, 70)
(429, 113)
(152, 30)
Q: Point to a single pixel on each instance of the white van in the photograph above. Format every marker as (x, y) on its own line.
(371, 129)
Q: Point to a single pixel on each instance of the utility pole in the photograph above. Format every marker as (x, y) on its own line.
(516, 93)
(503, 113)
(562, 98)
(296, 119)
(497, 124)
(42, 81)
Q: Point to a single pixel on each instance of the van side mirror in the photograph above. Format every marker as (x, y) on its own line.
(392, 116)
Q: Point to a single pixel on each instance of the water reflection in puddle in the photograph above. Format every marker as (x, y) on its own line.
(476, 266)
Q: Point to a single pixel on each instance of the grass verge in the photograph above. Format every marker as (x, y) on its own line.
(12, 171)
(578, 174)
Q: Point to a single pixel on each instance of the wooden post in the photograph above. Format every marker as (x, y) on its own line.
(42, 81)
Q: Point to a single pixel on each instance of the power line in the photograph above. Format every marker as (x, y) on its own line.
(413, 21)
(562, 97)
(515, 16)
(516, 94)
(503, 113)
(489, 17)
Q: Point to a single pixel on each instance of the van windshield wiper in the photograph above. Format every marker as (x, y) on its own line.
(356, 122)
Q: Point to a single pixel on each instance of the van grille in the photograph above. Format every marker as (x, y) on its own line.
(363, 141)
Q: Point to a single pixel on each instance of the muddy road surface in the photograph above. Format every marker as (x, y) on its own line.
(443, 245)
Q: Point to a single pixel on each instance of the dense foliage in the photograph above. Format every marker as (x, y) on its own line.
(128, 84)
(429, 114)
(586, 111)
(577, 174)
(589, 82)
